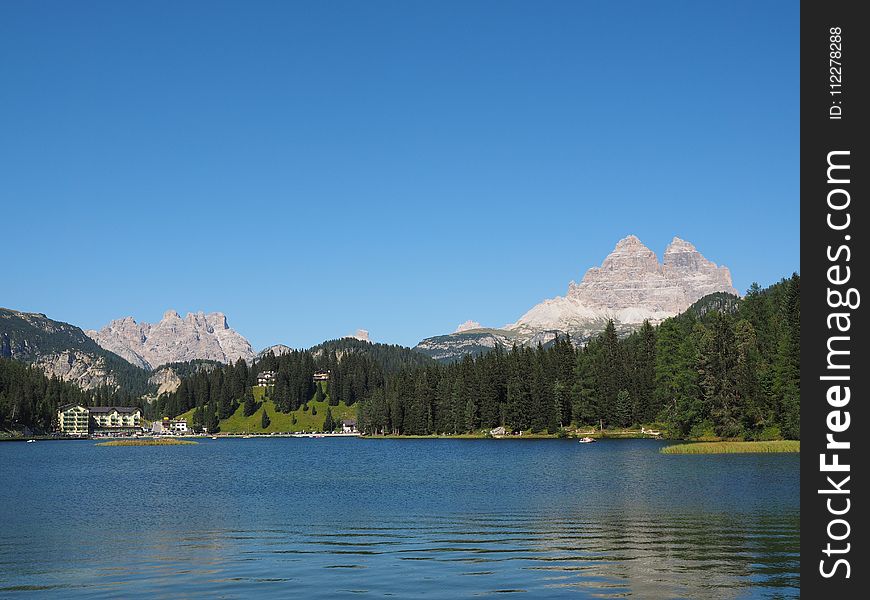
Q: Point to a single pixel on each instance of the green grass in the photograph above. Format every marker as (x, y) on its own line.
(169, 442)
(733, 447)
(280, 422)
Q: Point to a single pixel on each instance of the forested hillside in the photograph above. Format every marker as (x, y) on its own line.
(30, 399)
(391, 357)
(355, 368)
(725, 367)
(34, 338)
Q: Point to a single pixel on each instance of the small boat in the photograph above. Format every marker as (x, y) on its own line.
(586, 440)
(30, 441)
(214, 437)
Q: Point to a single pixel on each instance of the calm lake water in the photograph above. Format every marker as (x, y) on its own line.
(330, 518)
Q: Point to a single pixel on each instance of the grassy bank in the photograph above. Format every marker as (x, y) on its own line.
(292, 422)
(733, 447)
(167, 442)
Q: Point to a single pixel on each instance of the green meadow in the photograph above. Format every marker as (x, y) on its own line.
(292, 422)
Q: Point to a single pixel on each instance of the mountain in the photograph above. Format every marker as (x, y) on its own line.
(64, 351)
(167, 377)
(173, 339)
(391, 357)
(277, 350)
(630, 287)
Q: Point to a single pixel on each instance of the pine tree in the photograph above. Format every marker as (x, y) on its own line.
(609, 373)
(198, 419)
(211, 419)
(265, 421)
(517, 400)
(622, 409)
(250, 406)
(328, 423)
(717, 371)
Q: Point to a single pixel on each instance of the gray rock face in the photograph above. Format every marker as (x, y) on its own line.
(166, 380)
(173, 339)
(455, 345)
(277, 350)
(59, 349)
(85, 370)
(630, 287)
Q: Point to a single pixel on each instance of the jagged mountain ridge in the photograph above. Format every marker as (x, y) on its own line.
(174, 339)
(630, 287)
(65, 351)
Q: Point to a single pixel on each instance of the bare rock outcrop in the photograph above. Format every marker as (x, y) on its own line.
(166, 380)
(631, 286)
(174, 339)
(61, 350)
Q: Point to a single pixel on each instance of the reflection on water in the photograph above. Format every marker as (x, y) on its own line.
(550, 531)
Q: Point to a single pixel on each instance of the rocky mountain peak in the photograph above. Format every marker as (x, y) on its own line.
(198, 335)
(467, 326)
(361, 334)
(630, 256)
(631, 286)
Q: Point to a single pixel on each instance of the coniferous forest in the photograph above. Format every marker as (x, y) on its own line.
(356, 368)
(726, 367)
(30, 399)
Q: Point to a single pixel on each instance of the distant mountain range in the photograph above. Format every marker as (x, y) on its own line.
(64, 351)
(173, 339)
(630, 287)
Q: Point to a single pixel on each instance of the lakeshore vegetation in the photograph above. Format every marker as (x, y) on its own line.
(725, 368)
(158, 442)
(734, 447)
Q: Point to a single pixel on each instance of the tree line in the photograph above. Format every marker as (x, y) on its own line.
(30, 399)
(727, 367)
(354, 367)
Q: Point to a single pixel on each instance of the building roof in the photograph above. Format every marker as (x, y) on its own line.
(349, 422)
(120, 409)
(71, 405)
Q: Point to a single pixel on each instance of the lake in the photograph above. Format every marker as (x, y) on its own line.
(433, 518)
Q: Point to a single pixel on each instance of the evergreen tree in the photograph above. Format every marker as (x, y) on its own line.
(622, 409)
(265, 421)
(250, 406)
(717, 373)
(328, 423)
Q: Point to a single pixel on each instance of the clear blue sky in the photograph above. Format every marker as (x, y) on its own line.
(310, 168)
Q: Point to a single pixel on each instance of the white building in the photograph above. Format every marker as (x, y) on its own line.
(169, 426)
(266, 378)
(179, 426)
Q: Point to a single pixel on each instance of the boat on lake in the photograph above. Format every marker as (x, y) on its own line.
(586, 440)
